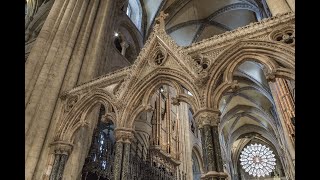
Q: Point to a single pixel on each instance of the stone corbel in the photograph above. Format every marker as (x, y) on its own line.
(175, 101)
(271, 76)
(234, 85)
(124, 135)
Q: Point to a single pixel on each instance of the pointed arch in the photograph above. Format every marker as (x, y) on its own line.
(270, 54)
(76, 117)
(143, 89)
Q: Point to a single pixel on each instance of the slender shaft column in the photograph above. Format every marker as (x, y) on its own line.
(121, 162)
(285, 110)
(117, 160)
(125, 160)
(124, 46)
(208, 121)
(61, 153)
(284, 104)
(278, 6)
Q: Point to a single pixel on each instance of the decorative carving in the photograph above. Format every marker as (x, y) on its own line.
(193, 73)
(71, 101)
(241, 32)
(62, 147)
(207, 117)
(175, 101)
(159, 56)
(271, 76)
(202, 78)
(161, 18)
(124, 135)
(284, 35)
(234, 85)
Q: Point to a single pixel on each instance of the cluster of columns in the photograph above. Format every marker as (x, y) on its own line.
(208, 121)
(66, 53)
(61, 152)
(124, 138)
(285, 106)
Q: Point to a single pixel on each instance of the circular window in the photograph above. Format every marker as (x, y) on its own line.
(257, 160)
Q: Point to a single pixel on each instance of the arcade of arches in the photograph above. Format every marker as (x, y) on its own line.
(160, 90)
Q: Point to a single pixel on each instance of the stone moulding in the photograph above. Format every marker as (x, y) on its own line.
(242, 32)
(121, 84)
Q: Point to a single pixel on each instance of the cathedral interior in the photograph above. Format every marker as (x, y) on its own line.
(160, 89)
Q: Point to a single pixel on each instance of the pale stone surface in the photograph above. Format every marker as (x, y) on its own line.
(75, 47)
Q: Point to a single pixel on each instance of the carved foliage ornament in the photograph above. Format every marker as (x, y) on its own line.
(125, 136)
(208, 118)
(158, 57)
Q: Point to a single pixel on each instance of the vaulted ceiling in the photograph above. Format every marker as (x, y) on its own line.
(193, 20)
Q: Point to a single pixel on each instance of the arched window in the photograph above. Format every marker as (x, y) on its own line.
(117, 43)
(134, 12)
(128, 12)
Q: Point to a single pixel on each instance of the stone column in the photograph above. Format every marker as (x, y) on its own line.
(284, 103)
(68, 44)
(121, 162)
(285, 110)
(117, 160)
(124, 46)
(61, 152)
(278, 6)
(208, 120)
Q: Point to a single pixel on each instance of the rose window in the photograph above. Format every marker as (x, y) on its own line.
(257, 160)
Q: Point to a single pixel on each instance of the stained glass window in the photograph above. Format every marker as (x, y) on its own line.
(257, 160)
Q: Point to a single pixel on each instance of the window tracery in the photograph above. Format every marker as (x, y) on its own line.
(257, 160)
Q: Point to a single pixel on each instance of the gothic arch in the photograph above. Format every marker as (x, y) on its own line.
(248, 109)
(143, 90)
(253, 129)
(76, 118)
(196, 150)
(268, 53)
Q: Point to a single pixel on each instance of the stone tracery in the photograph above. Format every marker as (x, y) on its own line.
(128, 91)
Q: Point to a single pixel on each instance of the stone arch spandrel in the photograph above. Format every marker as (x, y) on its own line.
(76, 117)
(268, 53)
(142, 91)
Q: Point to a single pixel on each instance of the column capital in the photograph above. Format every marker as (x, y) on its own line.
(124, 135)
(124, 44)
(61, 147)
(214, 174)
(207, 116)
